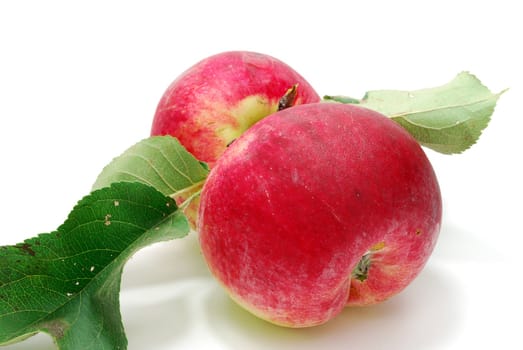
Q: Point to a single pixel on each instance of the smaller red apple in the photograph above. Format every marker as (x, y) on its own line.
(216, 100)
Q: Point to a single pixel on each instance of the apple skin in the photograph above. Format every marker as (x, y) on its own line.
(213, 102)
(216, 100)
(293, 205)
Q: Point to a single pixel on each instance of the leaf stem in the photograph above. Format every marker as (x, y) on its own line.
(188, 201)
(189, 189)
(341, 99)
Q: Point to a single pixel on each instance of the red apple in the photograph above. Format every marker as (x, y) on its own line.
(217, 99)
(317, 207)
(213, 102)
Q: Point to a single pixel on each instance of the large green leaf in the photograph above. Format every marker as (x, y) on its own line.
(159, 161)
(67, 282)
(448, 119)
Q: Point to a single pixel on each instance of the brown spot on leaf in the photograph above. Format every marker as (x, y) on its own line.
(107, 220)
(26, 247)
(55, 328)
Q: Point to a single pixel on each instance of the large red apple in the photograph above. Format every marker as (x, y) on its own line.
(317, 207)
(217, 99)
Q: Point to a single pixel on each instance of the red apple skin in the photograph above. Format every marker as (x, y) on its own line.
(216, 100)
(291, 207)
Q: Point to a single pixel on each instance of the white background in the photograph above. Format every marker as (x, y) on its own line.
(79, 83)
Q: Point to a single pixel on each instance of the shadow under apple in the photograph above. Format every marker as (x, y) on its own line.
(158, 299)
(423, 316)
(155, 317)
(165, 262)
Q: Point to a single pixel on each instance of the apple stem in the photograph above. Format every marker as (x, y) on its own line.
(361, 271)
(289, 99)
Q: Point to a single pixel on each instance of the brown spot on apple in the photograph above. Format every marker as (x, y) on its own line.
(378, 246)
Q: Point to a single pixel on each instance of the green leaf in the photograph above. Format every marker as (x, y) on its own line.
(159, 161)
(67, 282)
(448, 119)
